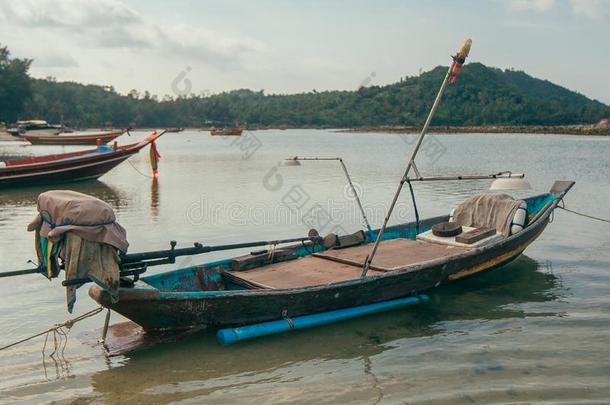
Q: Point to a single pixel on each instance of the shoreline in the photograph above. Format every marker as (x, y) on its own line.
(582, 130)
(509, 129)
(5, 136)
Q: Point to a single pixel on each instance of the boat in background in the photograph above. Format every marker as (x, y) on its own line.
(80, 138)
(35, 127)
(227, 131)
(67, 167)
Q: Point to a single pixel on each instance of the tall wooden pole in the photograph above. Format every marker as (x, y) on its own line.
(458, 60)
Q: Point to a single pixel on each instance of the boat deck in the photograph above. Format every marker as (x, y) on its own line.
(394, 254)
(334, 266)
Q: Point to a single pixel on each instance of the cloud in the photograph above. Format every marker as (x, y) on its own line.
(113, 24)
(534, 5)
(594, 9)
(206, 45)
(120, 37)
(55, 60)
(68, 13)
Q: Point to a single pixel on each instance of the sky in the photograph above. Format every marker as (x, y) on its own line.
(205, 47)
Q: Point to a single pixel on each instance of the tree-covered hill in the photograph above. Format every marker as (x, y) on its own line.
(481, 96)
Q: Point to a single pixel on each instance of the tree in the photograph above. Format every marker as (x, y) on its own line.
(14, 85)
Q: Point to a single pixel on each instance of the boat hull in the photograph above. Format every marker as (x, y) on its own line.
(65, 172)
(92, 139)
(226, 132)
(156, 310)
(65, 167)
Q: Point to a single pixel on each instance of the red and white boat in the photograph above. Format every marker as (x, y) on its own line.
(82, 138)
(68, 167)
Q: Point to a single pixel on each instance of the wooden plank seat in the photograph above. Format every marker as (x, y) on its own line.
(393, 254)
(303, 272)
(334, 266)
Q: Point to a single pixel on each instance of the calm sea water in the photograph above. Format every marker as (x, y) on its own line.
(537, 329)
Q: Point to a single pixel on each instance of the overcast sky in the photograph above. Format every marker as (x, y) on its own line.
(295, 46)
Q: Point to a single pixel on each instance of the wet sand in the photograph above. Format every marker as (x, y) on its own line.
(5, 136)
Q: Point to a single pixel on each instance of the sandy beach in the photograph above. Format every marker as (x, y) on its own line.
(5, 136)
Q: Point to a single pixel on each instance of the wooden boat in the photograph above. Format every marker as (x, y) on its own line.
(83, 138)
(67, 167)
(227, 131)
(309, 278)
(329, 279)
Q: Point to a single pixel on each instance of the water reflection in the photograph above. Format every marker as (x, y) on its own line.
(155, 199)
(23, 197)
(198, 365)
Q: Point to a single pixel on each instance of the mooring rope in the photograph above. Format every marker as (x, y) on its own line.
(61, 328)
(583, 214)
(139, 172)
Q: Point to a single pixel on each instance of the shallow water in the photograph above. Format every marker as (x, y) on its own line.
(537, 329)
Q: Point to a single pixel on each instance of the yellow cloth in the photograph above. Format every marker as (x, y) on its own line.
(98, 261)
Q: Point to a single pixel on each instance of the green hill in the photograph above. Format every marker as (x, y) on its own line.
(481, 96)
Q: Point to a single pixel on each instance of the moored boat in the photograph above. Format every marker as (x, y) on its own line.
(317, 280)
(310, 278)
(237, 131)
(80, 138)
(67, 167)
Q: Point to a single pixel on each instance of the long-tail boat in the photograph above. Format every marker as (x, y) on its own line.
(83, 138)
(309, 278)
(321, 280)
(67, 167)
(326, 277)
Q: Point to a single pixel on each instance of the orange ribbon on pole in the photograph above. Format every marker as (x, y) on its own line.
(154, 157)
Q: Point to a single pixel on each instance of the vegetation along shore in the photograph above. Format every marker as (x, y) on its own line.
(601, 128)
(487, 99)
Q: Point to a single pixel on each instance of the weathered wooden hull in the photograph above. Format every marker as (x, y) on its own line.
(156, 309)
(227, 132)
(170, 309)
(87, 139)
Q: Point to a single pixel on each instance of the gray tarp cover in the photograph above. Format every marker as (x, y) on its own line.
(92, 238)
(488, 210)
(90, 218)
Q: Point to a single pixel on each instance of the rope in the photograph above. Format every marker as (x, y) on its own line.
(57, 329)
(414, 206)
(584, 215)
(46, 217)
(136, 169)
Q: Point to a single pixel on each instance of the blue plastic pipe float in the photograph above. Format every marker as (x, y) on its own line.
(229, 336)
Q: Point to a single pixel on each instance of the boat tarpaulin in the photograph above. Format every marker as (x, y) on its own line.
(61, 211)
(488, 210)
(88, 238)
